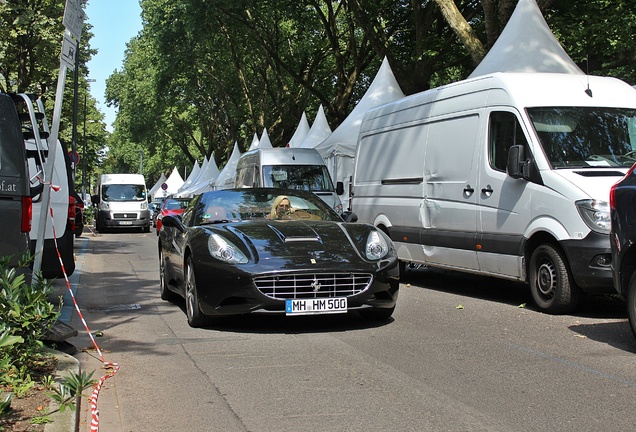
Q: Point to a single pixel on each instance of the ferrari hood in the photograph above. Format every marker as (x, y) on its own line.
(300, 241)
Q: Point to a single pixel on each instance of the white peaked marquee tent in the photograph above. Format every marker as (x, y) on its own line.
(174, 182)
(526, 44)
(339, 149)
(264, 142)
(193, 175)
(301, 132)
(208, 174)
(225, 179)
(157, 185)
(319, 131)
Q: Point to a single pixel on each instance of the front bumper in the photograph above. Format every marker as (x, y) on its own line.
(137, 219)
(590, 262)
(234, 292)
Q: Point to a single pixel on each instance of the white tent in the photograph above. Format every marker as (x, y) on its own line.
(208, 174)
(319, 131)
(254, 142)
(526, 44)
(301, 132)
(157, 185)
(264, 142)
(193, 176)
(339, 149)
(174, 183)
(225, 179)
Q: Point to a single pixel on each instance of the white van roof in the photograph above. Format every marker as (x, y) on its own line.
(514, 89)
(122, 179)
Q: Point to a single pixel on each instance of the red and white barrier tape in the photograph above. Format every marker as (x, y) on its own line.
(114, 367)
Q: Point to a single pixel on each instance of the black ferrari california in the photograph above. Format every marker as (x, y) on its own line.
(240, 251)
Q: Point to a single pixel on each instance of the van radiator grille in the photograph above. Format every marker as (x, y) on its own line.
(124, 215)
(316, 285)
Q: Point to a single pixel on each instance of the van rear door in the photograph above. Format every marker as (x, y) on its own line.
(15, 200)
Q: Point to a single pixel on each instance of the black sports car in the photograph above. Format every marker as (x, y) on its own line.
(241, 251)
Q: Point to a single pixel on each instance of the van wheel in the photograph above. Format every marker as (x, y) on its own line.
(551, 284)
(631, 303)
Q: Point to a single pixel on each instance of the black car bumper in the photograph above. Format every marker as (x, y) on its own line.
(590, 262)
(223, 292)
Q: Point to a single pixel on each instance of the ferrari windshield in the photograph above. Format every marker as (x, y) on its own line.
(577, 137)
(252, 204)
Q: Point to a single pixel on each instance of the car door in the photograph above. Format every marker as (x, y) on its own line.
(504, 202)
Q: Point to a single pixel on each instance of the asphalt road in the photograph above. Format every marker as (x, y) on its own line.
(461, 354)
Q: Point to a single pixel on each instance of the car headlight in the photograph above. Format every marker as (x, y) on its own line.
(376, 247)
(595, 214)
(225, 250)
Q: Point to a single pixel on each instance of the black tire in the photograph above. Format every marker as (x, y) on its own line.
(147, 228)
(377, 314)
(551, 284)
(631, 303)
(196, 318)
(166, 294)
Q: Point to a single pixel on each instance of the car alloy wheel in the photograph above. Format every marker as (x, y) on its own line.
(195, 316)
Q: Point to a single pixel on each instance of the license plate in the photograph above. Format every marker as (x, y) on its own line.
(315, 306)
(125, 222)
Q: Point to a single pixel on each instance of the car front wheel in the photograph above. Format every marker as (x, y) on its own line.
(195, 317)
(552, 287)
(631, 303)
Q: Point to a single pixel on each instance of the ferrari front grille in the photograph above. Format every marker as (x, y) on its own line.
(316, 285)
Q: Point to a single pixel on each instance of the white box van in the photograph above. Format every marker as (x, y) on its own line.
(505, 175)
(122, 202)
(287, 168)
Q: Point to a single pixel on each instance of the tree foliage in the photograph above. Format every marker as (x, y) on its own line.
(30, 43)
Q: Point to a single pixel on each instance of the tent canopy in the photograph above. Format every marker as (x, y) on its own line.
(319, 131)
(526, 44)
(301, 132)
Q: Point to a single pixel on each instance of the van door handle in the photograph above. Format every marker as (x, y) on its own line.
(487, 190)
(468, 190)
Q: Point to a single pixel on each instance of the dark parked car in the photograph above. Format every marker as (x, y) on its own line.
(274, 251)
(623, 240)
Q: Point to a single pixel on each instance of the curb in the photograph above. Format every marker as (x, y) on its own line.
(68, 420)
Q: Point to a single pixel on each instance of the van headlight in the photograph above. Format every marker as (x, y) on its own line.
(377, 247)
(595, 214)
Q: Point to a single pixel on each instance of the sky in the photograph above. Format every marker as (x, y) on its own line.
(114, 23)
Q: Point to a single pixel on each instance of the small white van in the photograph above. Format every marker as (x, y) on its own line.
(122, 202)
(287, 168)
(505, 175)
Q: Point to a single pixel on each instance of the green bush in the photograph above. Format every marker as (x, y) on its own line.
(26, 315)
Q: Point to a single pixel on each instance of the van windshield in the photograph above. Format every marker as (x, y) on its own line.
(123, 192)
(313, 178)
(578, 137)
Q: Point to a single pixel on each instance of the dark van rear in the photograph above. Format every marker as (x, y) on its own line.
(15, 197)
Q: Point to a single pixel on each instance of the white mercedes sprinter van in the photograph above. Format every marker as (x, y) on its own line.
(122, 202)
(287, 168)
(505, 175)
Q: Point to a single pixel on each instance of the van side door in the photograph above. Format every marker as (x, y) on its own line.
(505, 203)
(449, 206)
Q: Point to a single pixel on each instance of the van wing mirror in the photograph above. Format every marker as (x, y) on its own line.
(339, 188)
(95, 199)
(517, 166)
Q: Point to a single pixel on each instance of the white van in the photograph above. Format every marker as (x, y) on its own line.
(59, 235)
(122, 202)
(505, 175)
(288, 168)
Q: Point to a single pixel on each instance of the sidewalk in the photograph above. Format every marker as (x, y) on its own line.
(81, 354)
